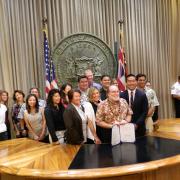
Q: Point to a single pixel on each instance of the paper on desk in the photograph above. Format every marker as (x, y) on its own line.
(115, 137)
(127, 132)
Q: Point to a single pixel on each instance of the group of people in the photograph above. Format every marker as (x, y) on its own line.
(85, 114)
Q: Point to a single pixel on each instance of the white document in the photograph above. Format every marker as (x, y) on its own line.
(127, 133)
(115, 137)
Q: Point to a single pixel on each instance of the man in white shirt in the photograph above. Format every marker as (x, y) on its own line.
(175, 92)
(84, 88)
(152, 100)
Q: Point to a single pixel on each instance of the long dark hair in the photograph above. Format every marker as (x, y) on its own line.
(50, 97)
(62, 93)
(28, 108)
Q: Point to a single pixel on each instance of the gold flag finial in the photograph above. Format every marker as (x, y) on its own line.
(44, 21)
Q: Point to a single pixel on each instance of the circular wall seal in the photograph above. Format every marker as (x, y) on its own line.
(78, 52)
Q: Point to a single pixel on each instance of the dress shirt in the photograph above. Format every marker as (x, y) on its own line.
(175, 89)
(3, 110)
(129, 94)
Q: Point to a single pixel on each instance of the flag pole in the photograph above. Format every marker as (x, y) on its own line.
(44, 21)
(121, 62)
(122, 44)
(121, 38)
(46, 57)
(51, 81)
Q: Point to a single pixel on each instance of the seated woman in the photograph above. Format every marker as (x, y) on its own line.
(54, 117)
(75, 120)
(35, 120)
(65, 88)
(18, 98)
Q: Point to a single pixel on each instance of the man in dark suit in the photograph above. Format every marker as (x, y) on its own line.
(105, 82)
(138, 102)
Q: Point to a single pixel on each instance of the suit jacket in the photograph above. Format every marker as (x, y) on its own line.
(140, 109)
(103, 94)
(73, 124)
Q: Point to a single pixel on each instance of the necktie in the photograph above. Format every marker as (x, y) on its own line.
(82, 108)
(131, 99)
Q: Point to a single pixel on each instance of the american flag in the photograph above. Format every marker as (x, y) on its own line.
(53, 76)
(51, 81)
(121, 70)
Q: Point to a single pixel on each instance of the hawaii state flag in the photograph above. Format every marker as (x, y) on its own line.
(121, 70)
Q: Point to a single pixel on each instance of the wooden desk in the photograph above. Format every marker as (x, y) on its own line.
(27, 159)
